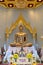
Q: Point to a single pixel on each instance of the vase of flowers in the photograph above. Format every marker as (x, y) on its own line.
(15, 57)
(29, 56)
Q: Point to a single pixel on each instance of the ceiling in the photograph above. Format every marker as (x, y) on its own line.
(21, 3)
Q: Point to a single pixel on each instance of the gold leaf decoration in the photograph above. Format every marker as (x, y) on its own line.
(21, 3)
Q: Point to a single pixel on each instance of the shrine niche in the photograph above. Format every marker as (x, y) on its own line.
(20, 37)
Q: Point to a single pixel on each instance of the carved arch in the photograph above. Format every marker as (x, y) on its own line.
(14, 25)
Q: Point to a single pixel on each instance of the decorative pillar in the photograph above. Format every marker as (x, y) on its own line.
(6, 40)
(33, 39)
(34, 36)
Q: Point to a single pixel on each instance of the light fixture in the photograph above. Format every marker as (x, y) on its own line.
(30, 5)
(1, 0)
(10, 5)
(39, 0)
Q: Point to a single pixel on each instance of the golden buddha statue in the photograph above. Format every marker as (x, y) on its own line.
(21, 38)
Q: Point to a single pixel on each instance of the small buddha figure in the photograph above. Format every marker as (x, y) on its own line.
(22, 52)
(16, 52)
(12, 53)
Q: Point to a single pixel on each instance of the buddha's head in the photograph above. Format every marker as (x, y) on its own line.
(21, 28)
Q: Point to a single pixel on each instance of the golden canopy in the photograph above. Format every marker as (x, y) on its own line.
(21, 3)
